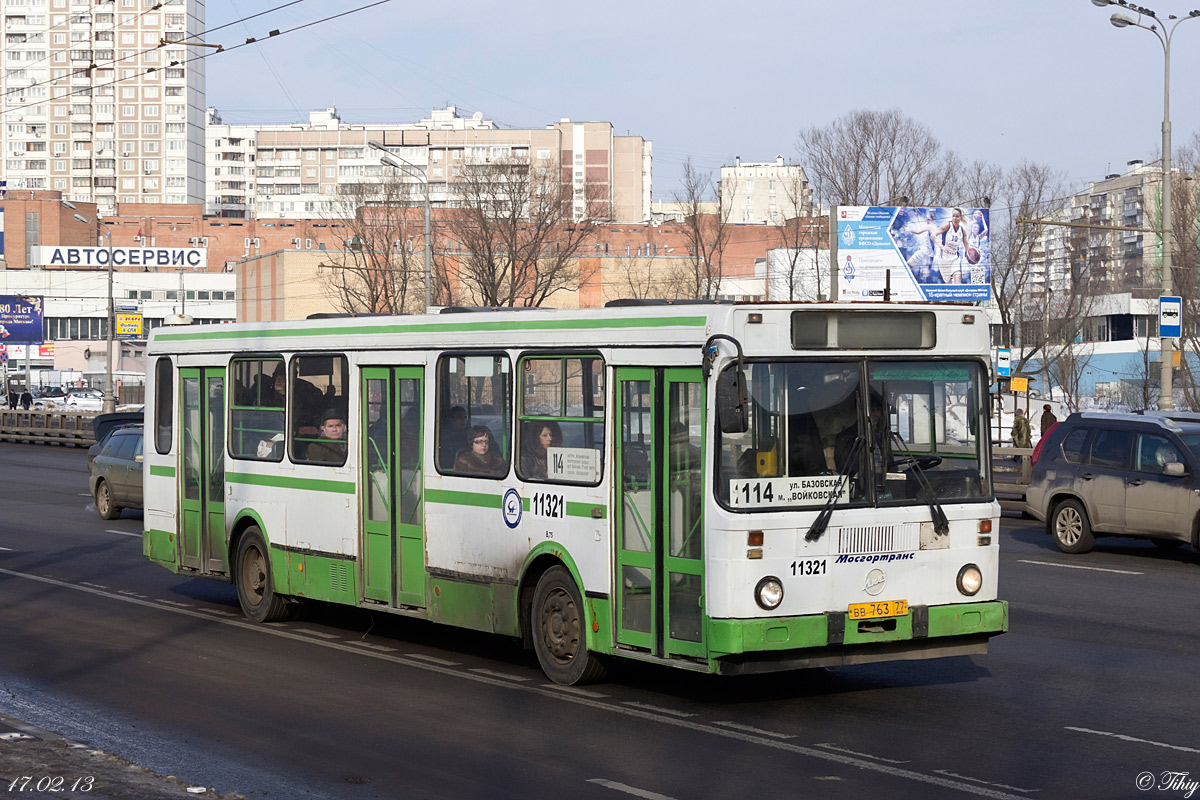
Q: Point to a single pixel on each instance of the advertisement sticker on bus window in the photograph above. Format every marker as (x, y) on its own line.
(574, 464)
(811, 490)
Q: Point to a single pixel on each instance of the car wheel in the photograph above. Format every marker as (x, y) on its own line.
(255, 589)
(557, 625)
(104, 503)
(1070, 528)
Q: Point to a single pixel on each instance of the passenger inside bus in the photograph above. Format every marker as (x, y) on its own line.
(539, 437)
(452, 438)
(331, 447)
(482, 457)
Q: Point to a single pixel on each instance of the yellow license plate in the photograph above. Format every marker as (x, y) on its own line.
(884, 608)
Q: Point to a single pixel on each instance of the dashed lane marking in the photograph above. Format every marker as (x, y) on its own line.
(575, 690)
(1125, 738)
(633, 790)
(950, 774)
(321, 634)
(372, 646)
(832, 746)
(502, 675)
(1078, 566)
(124, 533)
(737, 726)
(441, 662)
(659, 709)
(431, 664)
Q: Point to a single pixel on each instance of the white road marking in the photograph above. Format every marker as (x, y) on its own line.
(434, 660)
(176, 603)
(1123, 737)
(1078, 566)
(132, 593)
(124, 533)
(633, 790)
(433, 664)
(83, 494)
(381, 648)
(502, 675)
(832, 746)
(9, 549)
(322, 634)
(950, 774)
(659, 709)
(97, 585)
(574, 690)
(222, 612)
(759, 731)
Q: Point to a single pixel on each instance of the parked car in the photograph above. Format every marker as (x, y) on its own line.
(48, 396)
(84, 400)
(115, 474)
(1118, 474)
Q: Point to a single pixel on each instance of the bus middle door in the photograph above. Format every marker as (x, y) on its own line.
(393, 545)
(202, 539)
(659, 519)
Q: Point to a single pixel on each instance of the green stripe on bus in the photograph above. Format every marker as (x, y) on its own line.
(161, 471)
(452, 498)
(282, 482)
(482, 500)
(443, 327)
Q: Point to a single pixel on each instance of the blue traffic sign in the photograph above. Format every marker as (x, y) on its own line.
(1170, 317)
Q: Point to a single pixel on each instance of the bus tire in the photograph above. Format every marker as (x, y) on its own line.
(104, 504)
(557, 625)
(1070, 528)
(255, 591)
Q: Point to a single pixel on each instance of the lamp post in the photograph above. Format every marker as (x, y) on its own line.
(1166, 399)
(110, 403)
(392, 160)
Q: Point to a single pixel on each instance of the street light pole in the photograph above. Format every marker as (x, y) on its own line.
(110, 402)
(392, 160)
(1166, 347)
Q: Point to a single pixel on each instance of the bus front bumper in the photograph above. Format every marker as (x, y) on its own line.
(747, 646)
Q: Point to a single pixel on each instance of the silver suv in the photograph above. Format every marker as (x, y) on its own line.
(1121, 474)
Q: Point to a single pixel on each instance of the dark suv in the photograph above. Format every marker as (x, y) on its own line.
(1120, 474)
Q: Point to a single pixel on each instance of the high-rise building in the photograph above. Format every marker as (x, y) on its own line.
(764, 191)
(293, 171)
(102, 101)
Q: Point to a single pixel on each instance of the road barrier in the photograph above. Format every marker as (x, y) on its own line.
(63, 428)
(1012, 468)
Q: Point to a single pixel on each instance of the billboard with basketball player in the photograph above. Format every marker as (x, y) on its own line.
(941, 254)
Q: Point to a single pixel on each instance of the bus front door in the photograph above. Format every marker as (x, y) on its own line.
(393, 563)
(659, 521)
(202, 540)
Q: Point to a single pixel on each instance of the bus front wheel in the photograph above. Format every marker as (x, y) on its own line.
(557, 625)
(254, 588)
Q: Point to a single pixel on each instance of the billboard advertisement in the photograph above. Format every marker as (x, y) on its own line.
(941, 254)
(20, 319)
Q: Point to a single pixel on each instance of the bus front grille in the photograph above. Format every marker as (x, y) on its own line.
(879, 539)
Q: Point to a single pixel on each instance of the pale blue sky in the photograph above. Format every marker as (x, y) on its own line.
(1048, 81)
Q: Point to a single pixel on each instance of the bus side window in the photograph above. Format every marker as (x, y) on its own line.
(318, 403)
(257, 419)
(561, 419)
(474, 392)
(164, 408)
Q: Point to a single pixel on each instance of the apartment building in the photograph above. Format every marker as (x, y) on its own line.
(766, 192)
(293, 171)
(99, 104)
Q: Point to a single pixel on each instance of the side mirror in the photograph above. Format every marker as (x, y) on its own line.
(1174, 469)
(139, 458)
(732, 414)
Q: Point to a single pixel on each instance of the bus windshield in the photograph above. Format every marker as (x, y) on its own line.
(862, 431)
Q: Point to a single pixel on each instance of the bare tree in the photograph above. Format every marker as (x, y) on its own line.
(706, 233)
(796, 269)
(521, 233)
(1185, 273)
(380, 268)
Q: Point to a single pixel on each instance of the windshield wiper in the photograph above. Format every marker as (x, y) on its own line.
(941, 525)
(821, 523)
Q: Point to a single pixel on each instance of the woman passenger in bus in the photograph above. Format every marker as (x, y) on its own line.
(539, 436)
(481, 458)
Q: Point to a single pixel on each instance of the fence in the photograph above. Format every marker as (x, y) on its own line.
(1011, 471)
(63, 428)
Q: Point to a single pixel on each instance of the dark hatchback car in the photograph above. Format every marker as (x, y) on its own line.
(115, 474)
(1118, 474)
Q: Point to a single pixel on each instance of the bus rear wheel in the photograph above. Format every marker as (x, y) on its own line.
(255, 591)
(557, 625)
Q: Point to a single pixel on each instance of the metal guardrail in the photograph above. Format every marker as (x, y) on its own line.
(63, 428)
(1012, 468)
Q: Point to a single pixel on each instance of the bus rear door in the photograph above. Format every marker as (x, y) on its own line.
(202, 540)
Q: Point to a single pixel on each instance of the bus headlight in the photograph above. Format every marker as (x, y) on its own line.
(769, 593)
(970, 580)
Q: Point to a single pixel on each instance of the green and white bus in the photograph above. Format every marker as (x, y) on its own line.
(722, 488)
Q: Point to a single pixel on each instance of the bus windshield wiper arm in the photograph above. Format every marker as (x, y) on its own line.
(821, 523)
(941, 525)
